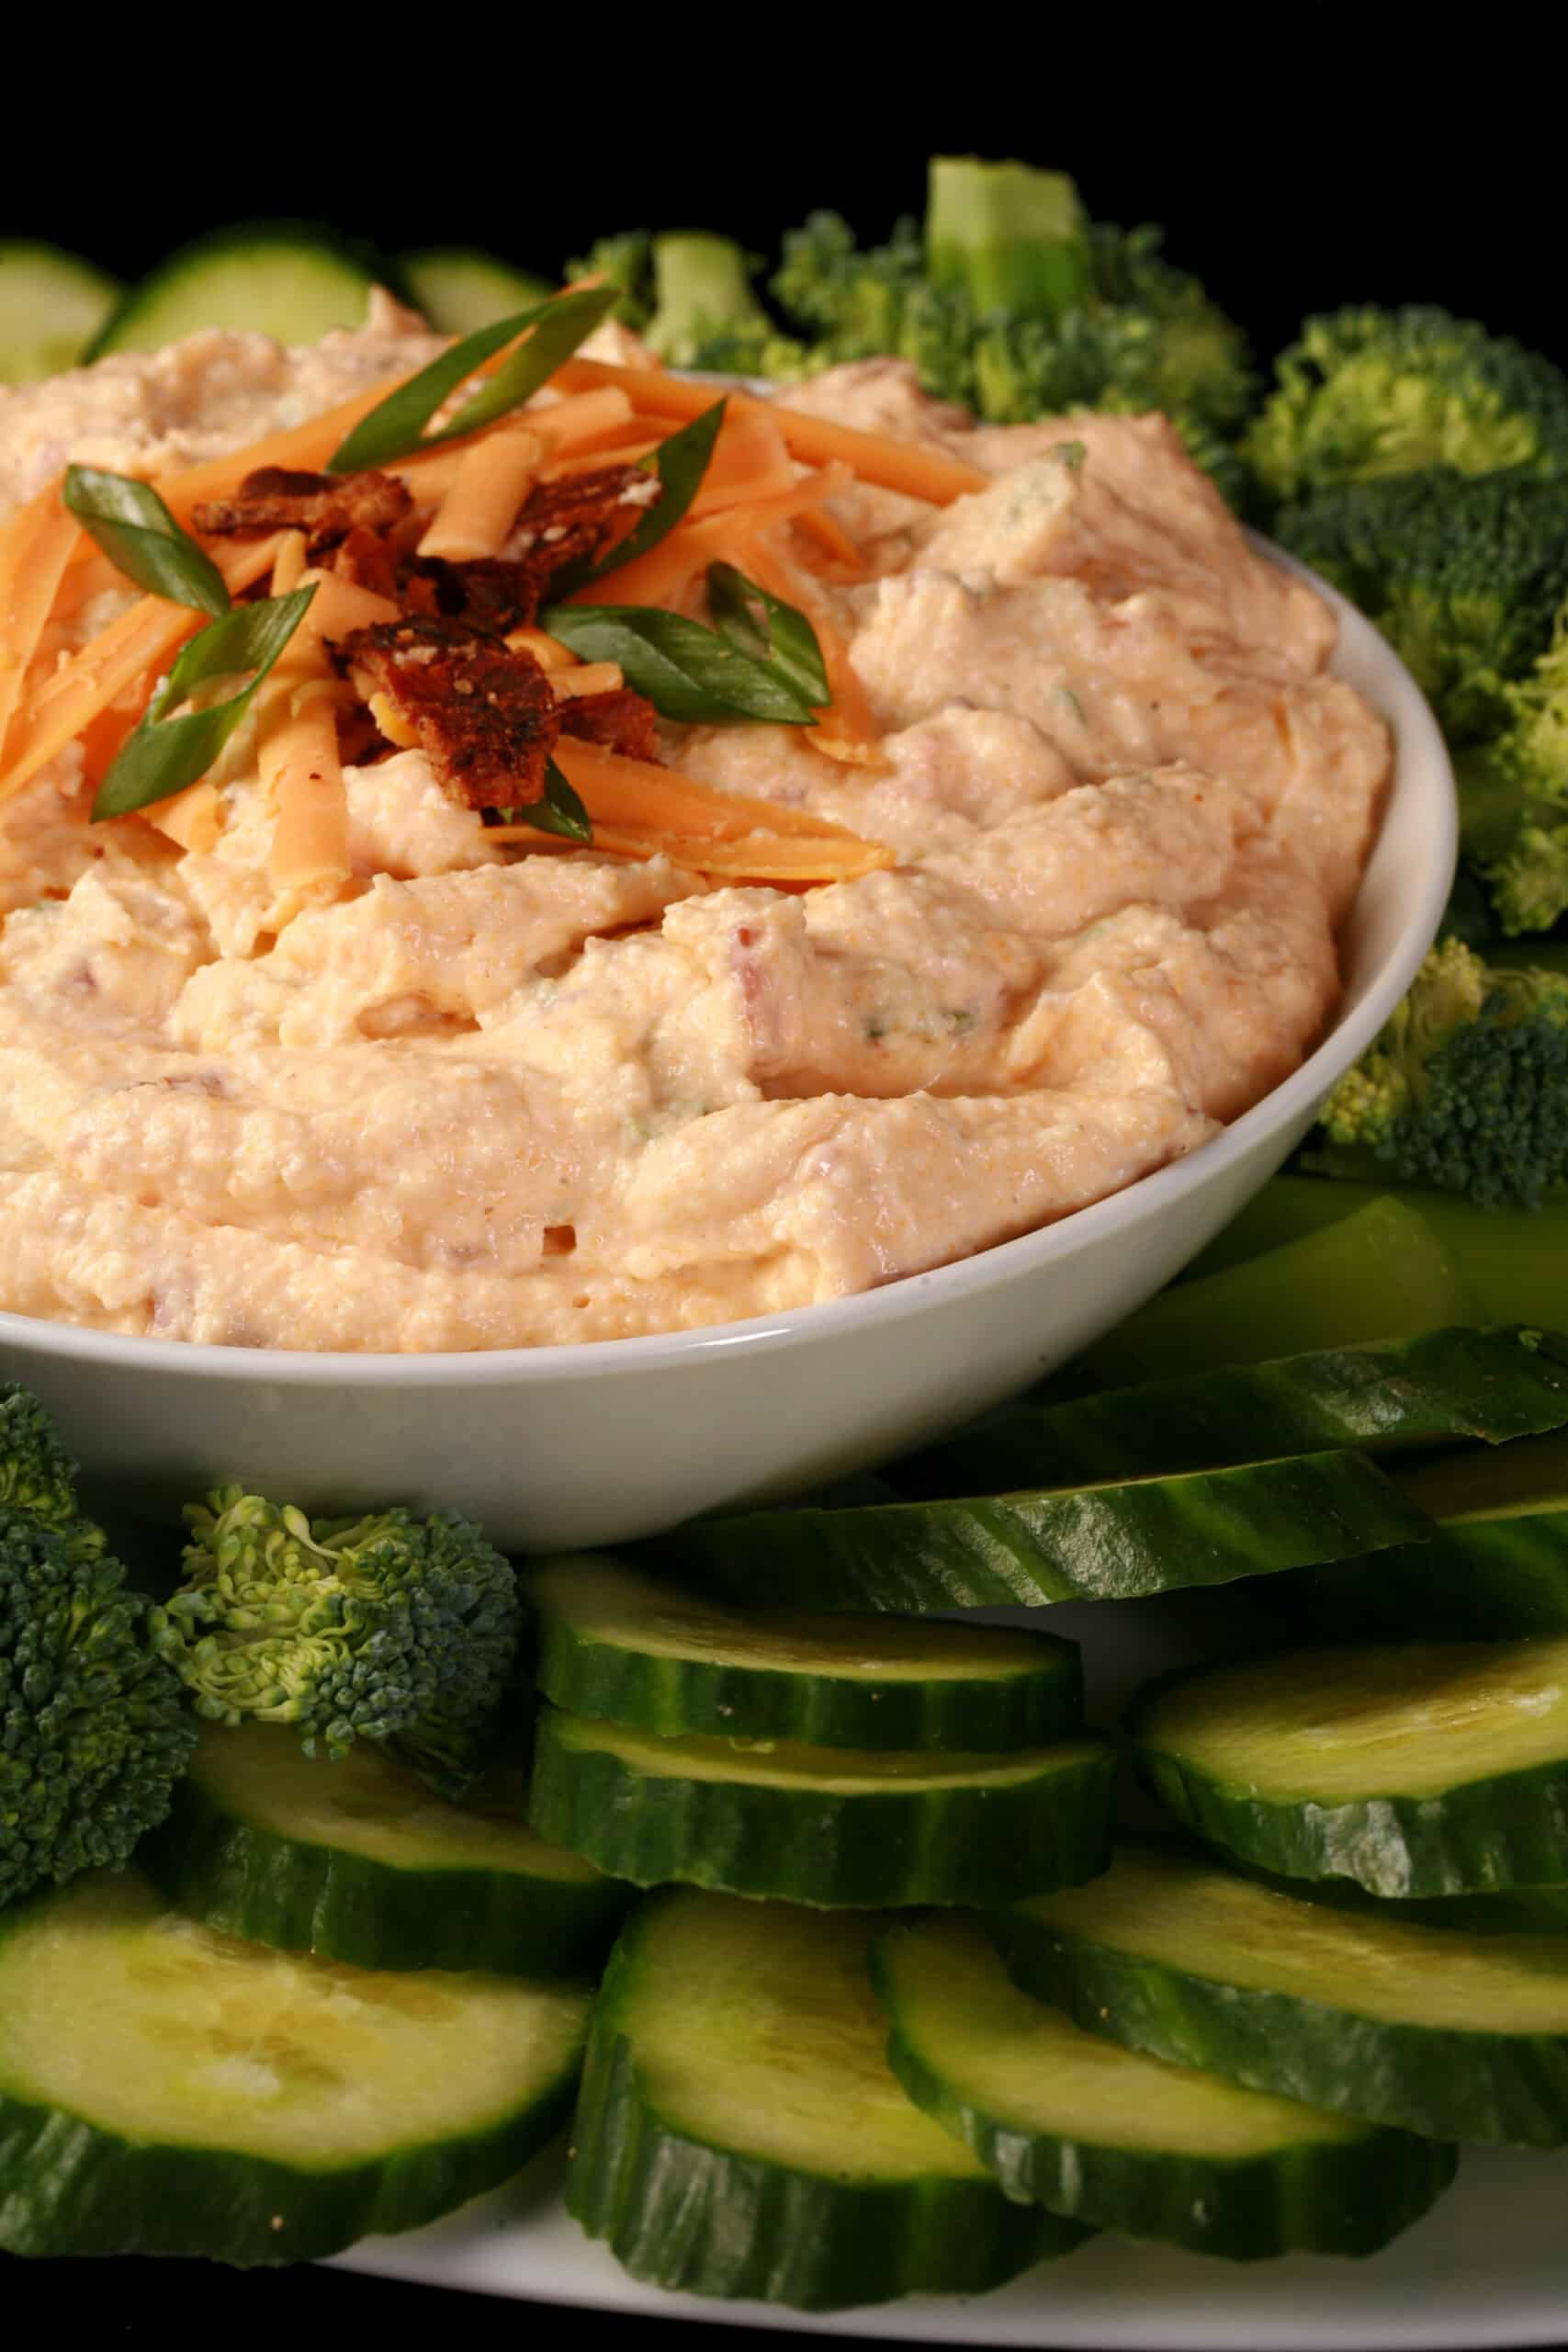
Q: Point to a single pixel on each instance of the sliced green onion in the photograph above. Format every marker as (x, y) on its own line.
(396, 427)
(165, 754)
(768, 630)
(141, 537)
(687, 672)
(680, 463)
(560, 811)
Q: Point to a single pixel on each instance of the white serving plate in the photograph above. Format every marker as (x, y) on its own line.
(1487, 2265)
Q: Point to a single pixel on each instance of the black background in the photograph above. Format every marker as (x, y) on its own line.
(1299, 158)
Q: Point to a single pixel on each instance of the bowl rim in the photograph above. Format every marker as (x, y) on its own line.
(1418, 745)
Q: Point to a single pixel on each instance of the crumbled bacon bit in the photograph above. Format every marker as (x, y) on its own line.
(484, 714)
(380, 563)
(621, 721)
(488, 593)
(327, 508)
(582, 517)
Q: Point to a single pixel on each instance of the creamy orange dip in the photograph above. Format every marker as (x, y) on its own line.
(481, 1098)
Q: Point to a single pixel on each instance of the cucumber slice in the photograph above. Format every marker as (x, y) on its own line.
(1514, 1261)
(1113, 1541)
(1459, 1383)
(164, 2090)
(51, 305)
(1518, 1911)
(359, 1861)
(1496, 1567)
(282, 280)
(1105, 2135)
(825, 1826)
(1412, 1768)
(459, 288)
(1454, 2036)
(739, 2131)
(1380, 1273)
(615, 1644)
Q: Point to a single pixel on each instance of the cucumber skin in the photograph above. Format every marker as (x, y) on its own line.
(1315, 2198)
(990, 1846)
(1096, 1543)
(264, 1889)
(682, 2213)
(68, 2188)
(672, 1696)
(1483, 1837)
(1488, 1384)
(1489, 1579)
(1506, 2089)
(245, 242)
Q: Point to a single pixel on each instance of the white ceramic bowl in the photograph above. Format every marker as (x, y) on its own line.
(599, 1443)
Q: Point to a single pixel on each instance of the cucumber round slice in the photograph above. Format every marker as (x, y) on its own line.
(1413, 1768)
(1521, 1911)
(1497, 1566)
(739, 2131)
(1105, 2135)
(459, 288)
(1380, 1273)
(359, 1861)
(822, 1824)
(1460, 1383)
(1096, 1542)
(166, 2090)
(617, 1644)
(290, 282)
(51, 305)
(1455, 2036)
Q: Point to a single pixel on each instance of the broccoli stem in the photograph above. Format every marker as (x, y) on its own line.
(702, 285)
(1014, 239)
(1514, 1261)
(1382, 1272)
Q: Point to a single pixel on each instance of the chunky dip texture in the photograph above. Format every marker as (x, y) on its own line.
(486, 1094)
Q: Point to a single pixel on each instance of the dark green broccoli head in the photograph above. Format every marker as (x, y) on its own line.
(625, 262)
(36, 1472)
(836, 293)
(1197, 362)
(94, 1727)
(1467, 1085)
(1528, 879)
(1117, 327)
(386, 1628)
(1514, 797)
(1366, 393)
(1463, 574)
(845, 302)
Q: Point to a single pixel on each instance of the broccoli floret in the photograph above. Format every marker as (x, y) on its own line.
(1202, 364)
(845, 303)
(1365, 392)
(1514, 797)
(1534, 751)
(386, 1628)
(1529, 881)
(1467, 1085)
(842, 298)
(1462, 574)
(94, 1728)
(625, 262)
(37, 1475)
